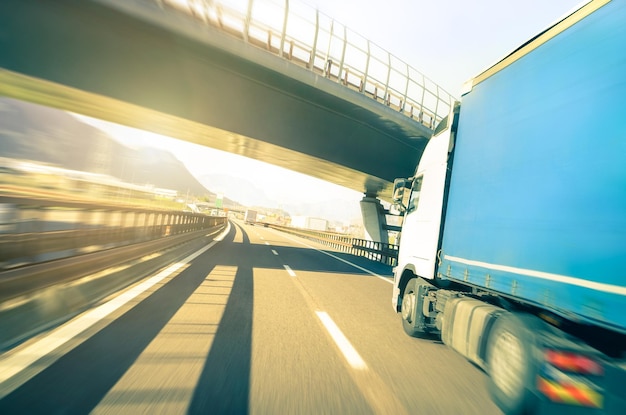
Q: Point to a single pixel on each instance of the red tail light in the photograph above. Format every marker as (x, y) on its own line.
(573, 362)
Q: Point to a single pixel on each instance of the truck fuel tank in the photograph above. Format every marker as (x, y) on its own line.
(466, 323)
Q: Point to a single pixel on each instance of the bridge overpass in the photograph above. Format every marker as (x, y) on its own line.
(261, 81)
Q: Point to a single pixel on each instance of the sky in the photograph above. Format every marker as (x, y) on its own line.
(449, 41)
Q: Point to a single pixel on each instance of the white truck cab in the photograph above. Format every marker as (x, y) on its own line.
(421, 228)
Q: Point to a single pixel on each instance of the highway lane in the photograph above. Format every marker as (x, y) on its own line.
(260, 323)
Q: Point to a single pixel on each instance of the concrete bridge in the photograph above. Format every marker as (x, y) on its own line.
(271, 81)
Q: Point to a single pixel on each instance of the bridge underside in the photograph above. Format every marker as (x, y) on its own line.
(172, 75)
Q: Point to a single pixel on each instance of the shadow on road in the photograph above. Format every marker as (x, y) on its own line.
(79, 380)
(260, 257)
(224, 384)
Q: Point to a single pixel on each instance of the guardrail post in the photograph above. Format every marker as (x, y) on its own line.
(152, 225)
(406, 89)
(136, 228)
(282, 37)
(343, 54)
(388, 75)
(246, 23)
(436, 106)
(327, 67)
(421, 115)
(124, 225)
(314, 49)
(367, 66)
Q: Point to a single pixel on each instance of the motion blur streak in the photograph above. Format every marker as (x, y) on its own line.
(17, 362)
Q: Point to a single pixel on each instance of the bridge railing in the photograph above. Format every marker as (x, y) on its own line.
(37, 230)
(310, 39)
(376, 251)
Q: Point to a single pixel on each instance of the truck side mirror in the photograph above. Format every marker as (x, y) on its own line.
(398, 193)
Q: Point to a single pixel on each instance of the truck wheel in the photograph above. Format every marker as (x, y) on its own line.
(510, 364)
(412, 319)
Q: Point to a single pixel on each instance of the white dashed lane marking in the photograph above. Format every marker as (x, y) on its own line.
(349, 352)
(386, 279)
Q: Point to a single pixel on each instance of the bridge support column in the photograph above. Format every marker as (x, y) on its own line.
(374, 220)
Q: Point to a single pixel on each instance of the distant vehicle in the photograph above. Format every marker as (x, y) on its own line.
(310, 223)
(513, 245)
(250, 217)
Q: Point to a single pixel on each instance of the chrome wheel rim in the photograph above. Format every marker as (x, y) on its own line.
(408, 303)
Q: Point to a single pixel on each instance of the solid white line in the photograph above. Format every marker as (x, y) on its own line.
(19, 361)
(348, 351)
(222, 235)
(289, 270)
(613, 289)
(274, 252)
(390, 281)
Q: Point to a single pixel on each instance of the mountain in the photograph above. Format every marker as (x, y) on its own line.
(48, 135)
(241, 190)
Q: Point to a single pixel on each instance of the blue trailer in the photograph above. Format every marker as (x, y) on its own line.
(513, 245)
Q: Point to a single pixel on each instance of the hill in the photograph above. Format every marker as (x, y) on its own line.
(48, 135)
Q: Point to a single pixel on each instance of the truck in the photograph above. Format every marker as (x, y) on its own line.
(250, 217)
(513, 241)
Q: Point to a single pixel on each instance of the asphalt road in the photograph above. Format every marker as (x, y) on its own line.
(260, 323)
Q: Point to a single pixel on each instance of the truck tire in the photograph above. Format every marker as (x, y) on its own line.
(511, 365)
(412, 318)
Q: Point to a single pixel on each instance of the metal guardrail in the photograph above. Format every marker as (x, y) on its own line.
(20, 281)
(36, 230)
(77, 253)
(312, 40)
(376, 251)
